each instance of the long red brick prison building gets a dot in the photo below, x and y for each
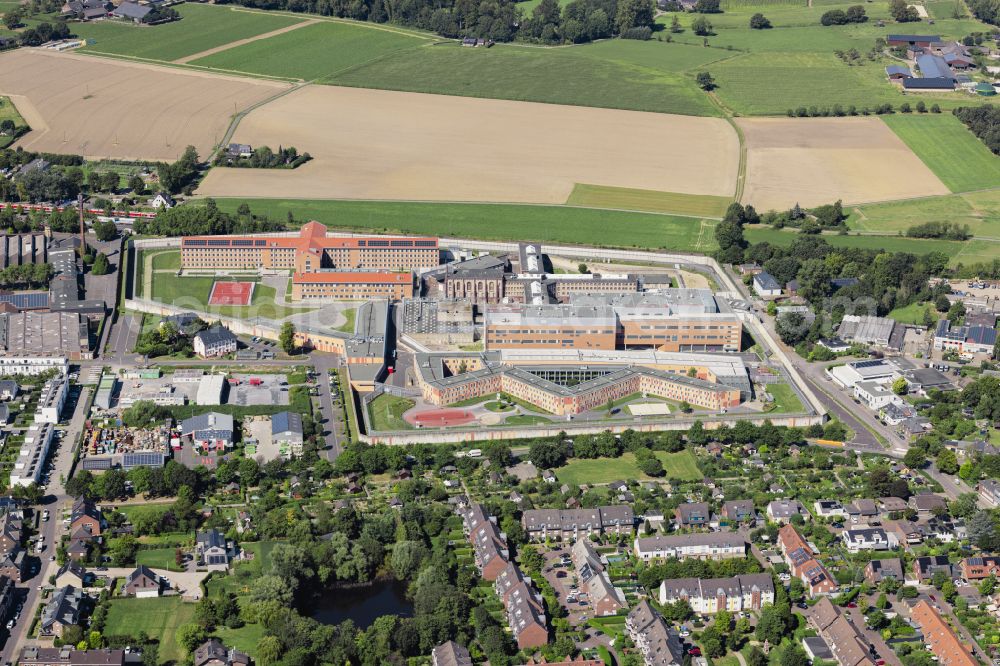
(322, 266)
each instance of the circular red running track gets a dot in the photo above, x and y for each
(441, 417)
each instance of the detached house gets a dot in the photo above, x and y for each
(213, 342)
(782, 511)
(692, 514)
(142, 583)
(62, 610)
(869, 538)
(212, 551)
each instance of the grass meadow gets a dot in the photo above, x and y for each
(9, 112)
(979, 210)
(681, 465)
(949, 149)
(202, 27)
(312, 52)
(599, 196)
(913, 313)
(158, 618)
(553, 224)
(614, 228)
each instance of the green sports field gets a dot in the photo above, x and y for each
(949, 149)
(598, 196)
(201, 27)
(314, 51)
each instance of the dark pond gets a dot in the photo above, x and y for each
(363, 604)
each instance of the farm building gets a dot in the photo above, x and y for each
(897, 72)
(132, 11)
(934, 67)
(986, 90)
(929, 84)
(922, 41)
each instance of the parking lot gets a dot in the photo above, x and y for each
(559, 571)
(258, 389)
(259, 428)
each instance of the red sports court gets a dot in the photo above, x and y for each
(231, 293)
(440, 418)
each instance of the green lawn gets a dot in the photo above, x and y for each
(201, 27)
(786, 401)
(312, 52)
(554, 224)
(158, 618)
(913, 313)
(348, 325)
(158, 558)
(681, 465)
(949, 149)
(193, 292)
(647, 76)
(526, 420)
(244, 639)
(600, 196)
(168, 260)
(387, 412)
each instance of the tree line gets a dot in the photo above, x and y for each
(984, 122)
(265, 158)
(499, 20)
(205, 220)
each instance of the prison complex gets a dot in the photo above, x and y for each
(311, 250)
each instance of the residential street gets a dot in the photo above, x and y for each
(55, 501)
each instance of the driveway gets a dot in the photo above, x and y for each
(187, 583)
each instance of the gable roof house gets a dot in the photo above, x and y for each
(711, 546)
(847, 642)
(142, 583)
(738, 511)
(85, 516)
(708, 596)
(692, 514)
(803, 563)
(868, 538)
(214, 653)
(877, 570)
(8, 389)
(781, 511)
(659, 644)
(926, 504)
(72, 573)
(940, 637)
(766, 286)
(62, 610)
(925, 567)
(214, 341)
(450, 653)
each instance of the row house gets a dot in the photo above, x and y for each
(847, 643)
(541, 524)
(657, 642)
(489, 544)
(942, 640)
(803, 564)
(711, 595)
(604, 597)
(711, 546)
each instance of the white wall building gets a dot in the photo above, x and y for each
(875, 395)
(34, 365)
(31, 458)
(711, 546)
(52, 400)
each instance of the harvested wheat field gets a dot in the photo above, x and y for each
(102, 108)
(376, 144)
(814, 161)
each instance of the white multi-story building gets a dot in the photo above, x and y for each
(34, 365)
(709, 546)
(52, 400)
(875, 395)
(31, 458)
(869, 538)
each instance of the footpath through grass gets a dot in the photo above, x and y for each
(311, 52)
(949, 149)
(201, 27)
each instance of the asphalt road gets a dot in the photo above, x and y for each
(55, 501)
(332, 416)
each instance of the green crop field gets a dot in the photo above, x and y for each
(599, 196)
(312, 52)
(158, 618)
(201, 27)
(979, 210)
(949, 149)
(648, 76)
(554, 224)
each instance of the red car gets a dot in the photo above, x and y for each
(932, 597)
(695, 652)
(880, 662)
(852, 605)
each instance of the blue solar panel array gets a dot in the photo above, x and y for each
(26, 301)
(143, 459)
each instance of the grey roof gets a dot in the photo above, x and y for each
(929, 83)
(283, 422)
(63, 607)
(211, 539)
(933, 67)
(664, 646)
(897, 69)
(569, 519)
(913, 38)
(766, 281)
(132, 10)
(709, 539)
(208, 422)
(451, 654)
(867, 329)
(887, 568)
(215, 335)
